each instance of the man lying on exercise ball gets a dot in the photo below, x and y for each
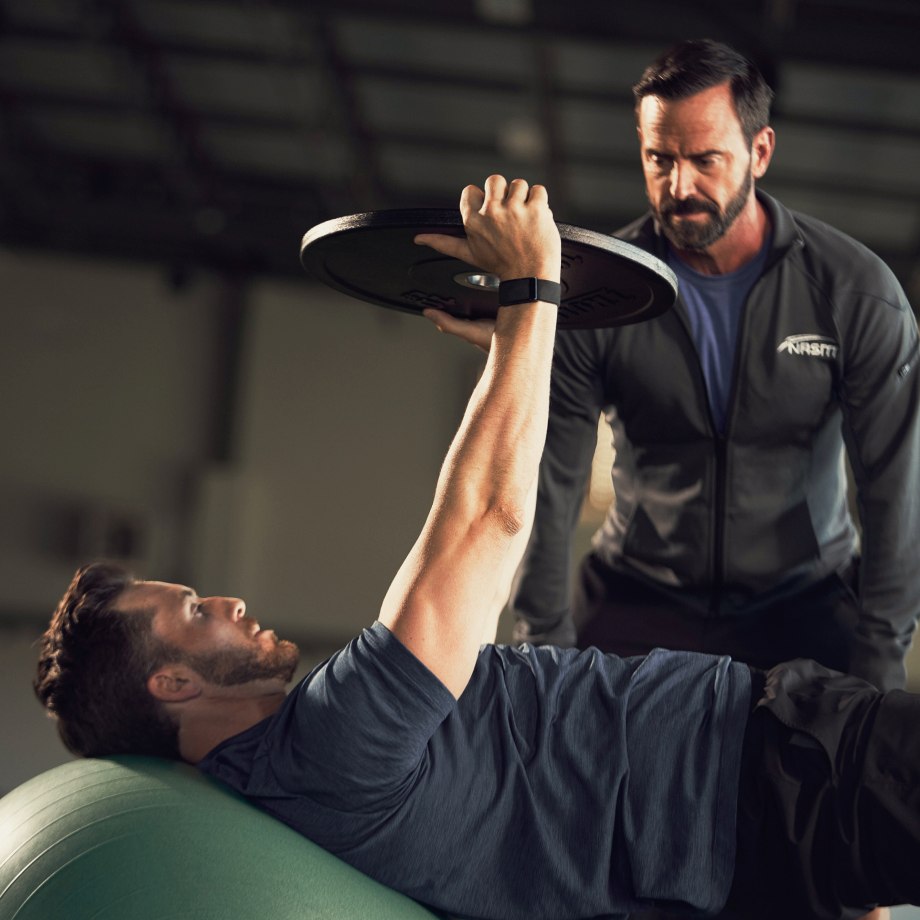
(497, 782)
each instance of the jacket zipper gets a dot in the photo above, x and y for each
(718, 539)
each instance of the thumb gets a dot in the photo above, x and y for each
(454, 246)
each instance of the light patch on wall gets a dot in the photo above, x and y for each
(506, 12)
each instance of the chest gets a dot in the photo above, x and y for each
(785, 359)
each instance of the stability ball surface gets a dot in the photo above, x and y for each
(137, 838)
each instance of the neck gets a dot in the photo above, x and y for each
(741, 244)
(210, 721)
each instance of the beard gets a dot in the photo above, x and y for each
(700, 235)
(230, 667)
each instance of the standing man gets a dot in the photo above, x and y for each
(790, 344)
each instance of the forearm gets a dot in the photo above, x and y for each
(493, 461)
(541, 598)
(450, 588)
(449, 592)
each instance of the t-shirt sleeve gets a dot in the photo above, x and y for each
(361, 723)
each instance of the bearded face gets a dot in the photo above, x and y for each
(228, 667)
(700, 167)
(695, 234)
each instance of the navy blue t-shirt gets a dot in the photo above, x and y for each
(715, 307)
(562, 784)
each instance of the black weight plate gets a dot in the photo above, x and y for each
(372, 256)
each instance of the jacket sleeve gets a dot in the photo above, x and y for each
(540, 599)
(880, 393)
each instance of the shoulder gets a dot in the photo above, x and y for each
(375, 668)
(366, 713)
(827, 242)
(833, 259)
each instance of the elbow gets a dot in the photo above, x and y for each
(508, 519)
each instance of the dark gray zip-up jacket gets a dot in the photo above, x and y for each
(827, 357)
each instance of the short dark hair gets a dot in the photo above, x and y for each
(93, 668)
(697, 64)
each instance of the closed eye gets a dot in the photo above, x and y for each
(705, 161)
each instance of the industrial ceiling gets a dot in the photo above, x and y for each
(213, 133)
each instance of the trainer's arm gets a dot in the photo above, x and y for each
(449, 590)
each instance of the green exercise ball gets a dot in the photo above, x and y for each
(137, 838)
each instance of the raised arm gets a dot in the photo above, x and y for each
(452, 586)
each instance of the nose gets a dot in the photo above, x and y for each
(682, 181)
(230, 607)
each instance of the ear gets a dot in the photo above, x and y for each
(762, 148)
(174, 683)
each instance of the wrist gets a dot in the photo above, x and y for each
(531, 289)
(551, 272)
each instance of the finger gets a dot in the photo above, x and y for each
(495, 188)
(471, 199)
(517, 190)
(438, 317)
(449, 323)
(476, 332)
(538, 194)
(455, 246)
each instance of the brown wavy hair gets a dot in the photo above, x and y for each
(93, 667)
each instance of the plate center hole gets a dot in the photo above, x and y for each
(478, 281)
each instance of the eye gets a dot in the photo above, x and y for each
(660, 161)
(198, 610)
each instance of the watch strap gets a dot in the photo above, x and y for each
(529, 290)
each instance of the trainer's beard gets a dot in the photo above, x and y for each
(699, 235)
